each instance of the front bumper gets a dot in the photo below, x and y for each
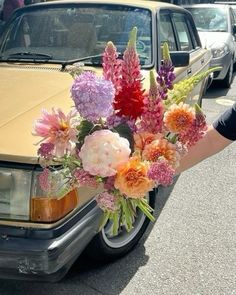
(224, 63)
(47, 254)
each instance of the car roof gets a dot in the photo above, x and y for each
(151, 4)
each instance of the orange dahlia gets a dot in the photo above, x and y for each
(179, 117)
(141, 139)
(159, 149)
(131, 178)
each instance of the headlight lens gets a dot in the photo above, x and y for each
(219, 50)
(21, 197)
(15, 188)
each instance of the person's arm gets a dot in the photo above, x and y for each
(212, 143)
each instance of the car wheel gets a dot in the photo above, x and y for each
(105, 247)
(229, 76)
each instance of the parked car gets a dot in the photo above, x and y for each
(231, 3)
(41, 238)
(216, 25)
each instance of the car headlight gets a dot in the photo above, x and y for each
(219, 50)
(21, 197)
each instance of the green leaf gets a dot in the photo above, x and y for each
(84, 128)
(124, 131)
(104, 219)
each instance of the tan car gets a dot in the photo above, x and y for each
(42, 237)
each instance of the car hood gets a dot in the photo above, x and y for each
(25, 91)
(209, 38)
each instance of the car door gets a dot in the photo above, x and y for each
(177, 28)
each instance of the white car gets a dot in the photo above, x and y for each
(216, 25)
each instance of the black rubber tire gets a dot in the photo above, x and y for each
(226, 83)
(100, 251)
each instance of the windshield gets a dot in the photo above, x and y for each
(210, 19)
(68, 33)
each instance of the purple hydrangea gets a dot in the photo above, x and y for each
(93, 96)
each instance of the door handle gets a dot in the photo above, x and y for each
(189, 71)
(202, 61)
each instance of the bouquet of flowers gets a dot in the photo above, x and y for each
(122, 136)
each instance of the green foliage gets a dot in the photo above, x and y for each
(124, 131)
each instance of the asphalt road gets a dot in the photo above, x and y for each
(190, 249)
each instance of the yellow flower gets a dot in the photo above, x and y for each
(161, 148)
(131, 178)
(179, 117)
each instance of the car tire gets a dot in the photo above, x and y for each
(226, 82)
(105, 248)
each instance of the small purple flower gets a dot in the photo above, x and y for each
(114, 121)
(44, 180)
(84, 178)
(109, 183)
(45, 149)
(93, 96)
(107, 202)
(165, 78)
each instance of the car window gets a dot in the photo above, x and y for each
(167, 32)
(232, 18)
(183, 32)
(67, 32)
(212, 19)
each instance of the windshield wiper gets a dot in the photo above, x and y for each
(95, 59)
(29, 55)
(73, 61)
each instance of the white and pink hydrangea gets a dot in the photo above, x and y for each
(103, 151)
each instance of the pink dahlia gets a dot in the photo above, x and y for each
(58, 129)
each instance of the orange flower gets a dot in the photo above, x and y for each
(161, 148)
(179, 117)
(141, 139)
(131, 178)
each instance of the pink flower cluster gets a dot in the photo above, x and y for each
(107, 201)
(161, 172)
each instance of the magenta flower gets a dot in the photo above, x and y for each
(93, 96)
(44, 180)
(131, 69)
(161, 172)
(109, 183)
(107, 202)
(153, 110)
(112, 66)
(46, 149)
(58, 129)
(196, 131)
(84, 178)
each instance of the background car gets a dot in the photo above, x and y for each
(39, 46)
(216, 25)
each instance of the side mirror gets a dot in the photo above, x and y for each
(180, 58)
(234, 29)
